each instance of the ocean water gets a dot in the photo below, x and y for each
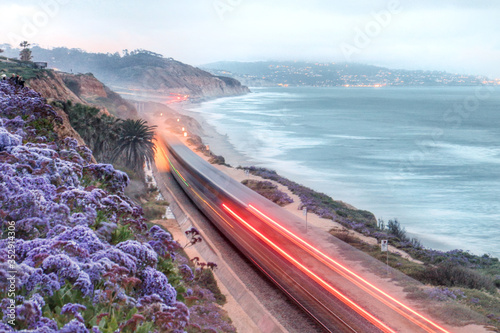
(429, 156)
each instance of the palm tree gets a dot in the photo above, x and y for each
(25, 54)
(135, 143)
(106, 136)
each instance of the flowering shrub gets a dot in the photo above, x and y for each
(269, 191)
(85, 260)
(444, 294)
(318, 203)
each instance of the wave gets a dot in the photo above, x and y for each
(481, 154)
(353, 137)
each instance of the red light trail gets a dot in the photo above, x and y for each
(376, 322)
(327, 258)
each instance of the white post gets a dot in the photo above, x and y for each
(384, 247)
(304, 211)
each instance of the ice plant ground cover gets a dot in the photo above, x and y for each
(77, 255)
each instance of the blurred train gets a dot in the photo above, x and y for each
(311, 274)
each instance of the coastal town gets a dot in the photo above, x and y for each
(339, 74)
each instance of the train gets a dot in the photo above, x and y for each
(317, 271)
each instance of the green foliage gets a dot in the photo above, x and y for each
(25, 54)
(153, 210)
(135, 143)
(452, 275)
(395, 261)
(269, 191)
(25, 69)
(205, 279)
(395, 229)
(101, 217)
(44, 127)
(112, 140)
(99, 131)
(109, 317)
(121, 234)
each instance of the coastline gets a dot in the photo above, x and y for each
(269, 131)
(220, 145)
(198, 129)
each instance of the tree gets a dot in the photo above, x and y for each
(99, 131)
(25, 54)
(135, 144)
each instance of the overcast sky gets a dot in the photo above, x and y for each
(461, 36)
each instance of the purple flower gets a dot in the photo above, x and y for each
(148, 300)
(48, 325)
(117, 256)
(144, 253)
(28, 313)
(8, 140)
(46, 284)
(186, 272)
(74, 310)
(5, 327)
(95, 270)
(62, 265)
(161, 241)
(74, 326)
(84, 236)
(84, 284)
(115, 180)
(155, 282)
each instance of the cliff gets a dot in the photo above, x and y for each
(169, 76)
(52, 87)
(83, 89)
(141, 73)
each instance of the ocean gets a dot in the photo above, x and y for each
(428, 156)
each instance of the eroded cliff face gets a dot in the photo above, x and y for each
(52, 87)
(144, 75)
(83, 89)
(178, 78)
(84, 85)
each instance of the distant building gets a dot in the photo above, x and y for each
(40, 65)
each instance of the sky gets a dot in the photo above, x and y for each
(458, 36)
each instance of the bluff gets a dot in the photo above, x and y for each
(83, 89)
(140, 73)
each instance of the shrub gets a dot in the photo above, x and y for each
(450, 275)
(269, 191)
(205, 279)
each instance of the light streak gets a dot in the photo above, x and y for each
(318, 252)
(210, 206)
(177, 172)
(376, 322)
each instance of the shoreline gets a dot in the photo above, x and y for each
(220, 145)
(180, 117)
(237, 152)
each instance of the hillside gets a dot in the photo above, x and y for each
(139, 72)
(297, 73)
(59, 86)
